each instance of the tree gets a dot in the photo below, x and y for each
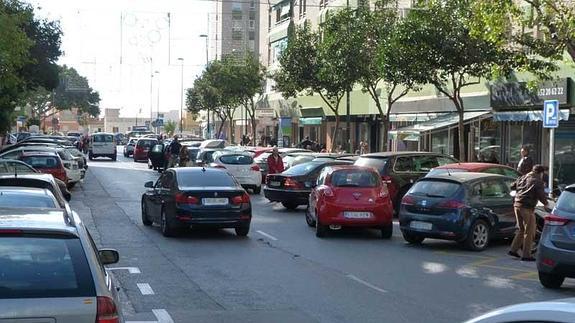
(74, 91)
(438, 41)
(252, 78)
(170, 127)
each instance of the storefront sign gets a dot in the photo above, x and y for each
(261, 113)
(517, 95)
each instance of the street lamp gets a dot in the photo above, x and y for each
(158, 103)
(207, 62)
(182, 97)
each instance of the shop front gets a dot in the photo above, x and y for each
(311, 124)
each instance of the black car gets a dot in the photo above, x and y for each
(470, 208)
(399, 170)
(195, 196)
(157, 157)
(293, 186)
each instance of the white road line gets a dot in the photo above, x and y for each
(145, 289)
(162, 316)
(131, 270)
(141, 321)
(267, 235)
(363, 282)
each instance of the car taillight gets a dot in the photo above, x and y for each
(186, 199)
(255, 168)
(553, 219)
(244, 198)
(106, 310)
(451, 204)
(407, 200)
(291, 183)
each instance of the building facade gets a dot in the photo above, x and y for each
(235, 28)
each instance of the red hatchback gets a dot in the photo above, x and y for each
(350, 196)
(45, 162)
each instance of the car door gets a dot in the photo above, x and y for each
(166, 193)
(315, 194)
(154, 201)
(495, 196)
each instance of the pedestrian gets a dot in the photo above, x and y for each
(184, 157)
(275, 162)
(306, 142)
(174, 149)
(526, 163)
(529, 189)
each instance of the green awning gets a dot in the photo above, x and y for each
(311, 121)
(307, 112)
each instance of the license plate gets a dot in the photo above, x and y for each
(273, 183)
(215, 201)
(357, 215)
(420, 225)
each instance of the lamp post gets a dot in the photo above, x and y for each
(158, 103)
(182, 97)
(207, 61)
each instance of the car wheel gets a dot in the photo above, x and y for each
(243, 230)
(320, 229)
(310, 222)
(412, 238)
(168, 228)
(114, 157)
(257, 190)
(478, 237)
(145, 220)
(550, 280)
(290, 205)
(150, 166)
(387, 231)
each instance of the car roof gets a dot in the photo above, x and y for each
(102, 133)
(570, 188)
(37, 219)
(39, 153)
(463, 177)
(401, 153)
(471, 166)
(351, 167)
(561, 310)
(197, 170)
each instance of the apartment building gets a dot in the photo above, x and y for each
(234, 28)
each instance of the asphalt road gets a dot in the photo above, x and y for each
(283, 273)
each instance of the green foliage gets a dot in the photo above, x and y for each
(84, 98)
(170, 127)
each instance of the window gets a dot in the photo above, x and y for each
(252, 15)
(323, 3)
(167, 181)
(353, 178)
(282, 12)
(491, 189)
(41, 162)
(15, 168)
(252, 4)
(205, 179)
(403, 164)
(103, 138)
(237, 35)
(377, 163)
(252, 24)
(302, 8)
(435, 187)
(322, 176)
(237, 15)
(277, 48)
(28, 199)
(252, 35)
(236, 159)
(301, 169)
(425, 163)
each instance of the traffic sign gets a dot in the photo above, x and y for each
(551, 114)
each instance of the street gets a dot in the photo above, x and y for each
(282, 273)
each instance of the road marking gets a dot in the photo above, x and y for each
(532, 276)
(131, 270)
(162, 316)
(145, 289)
(363, 282)
(267, 235)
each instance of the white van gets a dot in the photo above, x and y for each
(102, 144)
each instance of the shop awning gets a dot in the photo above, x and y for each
(413, 117)
(412, 133)
(308, 112)
(527, 115)
(311, 121)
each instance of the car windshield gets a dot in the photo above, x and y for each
(263, 157)
(15, 168)
(39, 267)
(441, 171)
(377, 163)
(25, 198)
(103, 138)
(354, 178)
(41, 162)
(236, 159)
(434, 188)
(566, 201)
(205, 179)
(301, 169)
(145, 143)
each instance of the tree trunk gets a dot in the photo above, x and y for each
(232, 129)
(334, 135)
(223, 119)
(253, 119)
(385, 140)
(461, 131)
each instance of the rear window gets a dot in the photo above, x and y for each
(205, 179)
(103, 138)
(434, 188)
(28, 199)
(236, 159)
(42, 267)
(566, 201)
(377, 163)
(301, 169)
(441, 171)
(146, 143)
(354, 178)
(41, 162)
(15, 168)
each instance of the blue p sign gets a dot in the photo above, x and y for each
(551, 114)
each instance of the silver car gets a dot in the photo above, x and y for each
(51, 271)
(557, 311)
(556, 257)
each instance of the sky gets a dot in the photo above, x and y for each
(119, 44)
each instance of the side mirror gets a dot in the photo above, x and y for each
(149, 184)
(108, 256)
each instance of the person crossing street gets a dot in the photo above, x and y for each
(174, 149)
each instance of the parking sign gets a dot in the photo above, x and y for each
(551, 114)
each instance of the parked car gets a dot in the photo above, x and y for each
(43, 181)
(18, 168)
(198, 197)
(292, 187)
(102, 145)
(399, 170)
(45, 162)
(475, 168)
(53, 270)
(213, 144)
(142, 148)
(242, 166)
(556, 256)
(129, 148)
(300, 158)
(557, 311)
(470, 208)
(156, 157)
(205, 156)
(262, 160)
(24, 197)
(349, 196)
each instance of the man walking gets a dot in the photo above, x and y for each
(174, 149)
(526, 163)
(529, 189)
